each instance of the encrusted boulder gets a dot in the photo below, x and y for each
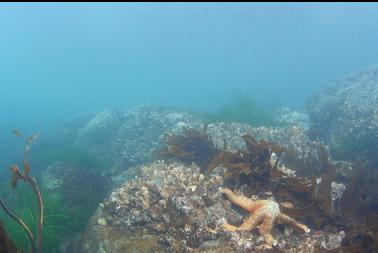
(170, 207)
(292, 137)
(289, 116)
(345, 114)
(127, 138)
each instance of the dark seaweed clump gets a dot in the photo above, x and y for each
(254, 161)
(306, 197)
(190, 146)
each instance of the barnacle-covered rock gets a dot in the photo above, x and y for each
(293, 138)
(127, 138)
(288, 116)
(177, 208)
(345, 114)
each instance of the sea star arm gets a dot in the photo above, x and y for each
(229, 227)
(251, 222)
(286, 219)
(248, 224)
(265, 229)
(241, 201)
(266, 212)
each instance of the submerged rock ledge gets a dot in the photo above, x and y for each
(170, 207)
(345, 115)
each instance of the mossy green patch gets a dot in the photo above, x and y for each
(241, 109)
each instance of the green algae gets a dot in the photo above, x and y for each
(241, 109)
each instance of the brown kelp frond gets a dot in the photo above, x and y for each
(298, 184)
(256, 167)
(16, 175)
(29, 141)
(262, 146)
(359, 209)
(323, 157)
(24, 176)
(317, 182)
(352, 194)
(361, 192)
(190, 146)
(21, 222)
(308, 161)
(323, 195)
(314, 192)
(255, 160)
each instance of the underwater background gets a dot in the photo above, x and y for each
(61, 59)
(66, 67)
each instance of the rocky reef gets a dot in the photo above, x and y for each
(345, 115)
(177, 205)
(127, 138)
(173, 207)
(170, 207)
(286, 115)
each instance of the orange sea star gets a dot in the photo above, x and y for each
(263, 212)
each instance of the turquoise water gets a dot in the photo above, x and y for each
(58, 60)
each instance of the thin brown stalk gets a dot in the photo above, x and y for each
(22, 224)
(31, 181)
